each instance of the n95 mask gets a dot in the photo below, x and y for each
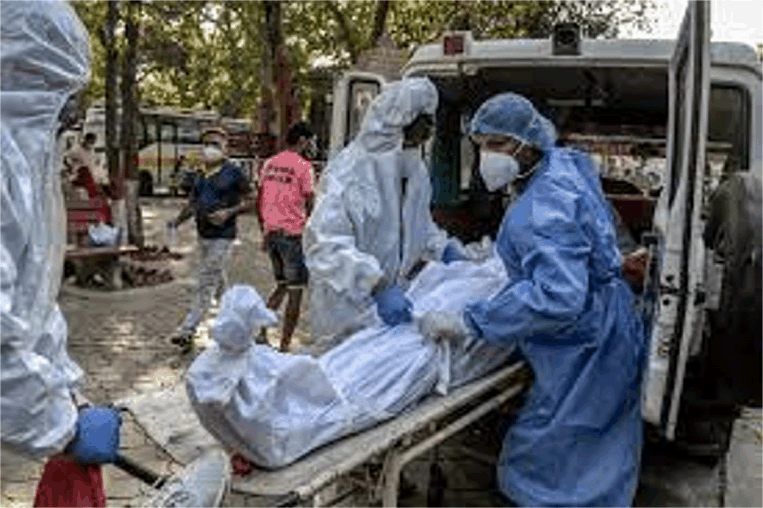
(497, 169)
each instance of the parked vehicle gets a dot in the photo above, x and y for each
(665, 119)
(167, 134)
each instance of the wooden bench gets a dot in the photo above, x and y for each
(80, 215)
(87, 260)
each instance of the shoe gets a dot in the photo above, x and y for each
(203, 482)
(182, 338)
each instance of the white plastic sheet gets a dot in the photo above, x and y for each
(275, 407)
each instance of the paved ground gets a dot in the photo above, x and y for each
(119, 339)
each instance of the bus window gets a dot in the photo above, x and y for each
(189, 131)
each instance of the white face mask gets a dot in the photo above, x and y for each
(212, 154)
(497, 169)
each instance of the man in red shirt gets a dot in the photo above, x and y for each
(284, 202)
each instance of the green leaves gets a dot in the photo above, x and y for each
(208, 54)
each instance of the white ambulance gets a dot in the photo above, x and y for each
(666, 119)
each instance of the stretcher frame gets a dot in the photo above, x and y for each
(364, 469)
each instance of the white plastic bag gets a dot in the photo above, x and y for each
(102, 235)
(275, 407)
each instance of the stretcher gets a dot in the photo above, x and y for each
(359, 470)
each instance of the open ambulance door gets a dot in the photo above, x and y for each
(677, 275)
(353, 93)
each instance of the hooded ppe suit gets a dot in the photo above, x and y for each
(577, 441)
(366, 231)
(45, 59)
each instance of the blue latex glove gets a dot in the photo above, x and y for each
(451, 254)
(393, 307)
(97, 436)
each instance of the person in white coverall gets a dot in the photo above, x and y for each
(45, 59)
(372, 224)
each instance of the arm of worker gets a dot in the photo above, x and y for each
(551, 293)
(36, 408)
(441, 246)
(38, 400)
(337, 266)
(39, 416)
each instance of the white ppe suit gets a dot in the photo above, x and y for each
(365, 233)
(45, 59)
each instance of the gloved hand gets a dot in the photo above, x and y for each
(451, 254)
(393, 306)
(439, 326)
(97, 436)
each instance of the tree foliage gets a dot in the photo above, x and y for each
(208, 54)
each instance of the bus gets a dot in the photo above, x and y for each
(164, 135)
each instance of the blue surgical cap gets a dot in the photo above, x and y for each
(509, 114)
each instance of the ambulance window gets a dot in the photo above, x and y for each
(728, 129)
(362, 93)
(679, 127)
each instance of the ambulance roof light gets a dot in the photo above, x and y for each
(456, 43)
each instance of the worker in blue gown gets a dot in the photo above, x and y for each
(577, 440)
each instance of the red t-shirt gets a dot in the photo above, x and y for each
(286, 181)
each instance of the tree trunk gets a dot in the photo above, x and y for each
(380, 20)
(344, 31)
(269, 121)
(116, 174)
(129, 115)
(111, 142)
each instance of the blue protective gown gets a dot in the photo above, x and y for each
(577, 441)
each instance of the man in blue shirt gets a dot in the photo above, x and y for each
(216, 199)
